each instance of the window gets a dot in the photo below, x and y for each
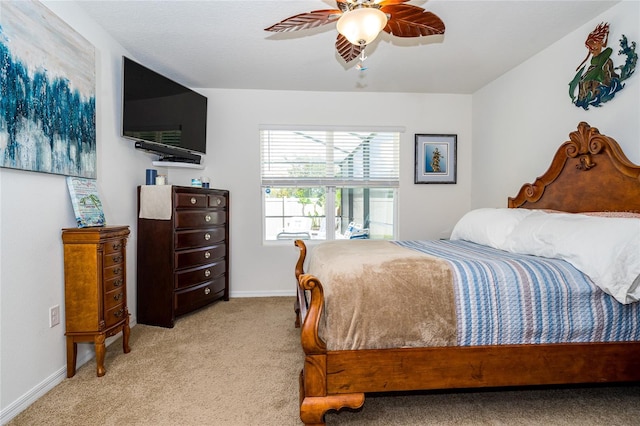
(329, 184)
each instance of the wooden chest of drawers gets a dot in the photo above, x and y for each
(183, 262)
(95, 289)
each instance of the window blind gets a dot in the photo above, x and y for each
(329, 158)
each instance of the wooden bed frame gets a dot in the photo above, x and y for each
(588, 173)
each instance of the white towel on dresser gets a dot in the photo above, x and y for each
(155, 202)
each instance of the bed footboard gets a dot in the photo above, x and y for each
(314, 399)
(337, 379)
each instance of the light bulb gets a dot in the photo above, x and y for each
(361, 26)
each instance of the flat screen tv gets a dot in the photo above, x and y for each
(163, 116)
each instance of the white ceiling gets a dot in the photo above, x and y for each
(222, 43)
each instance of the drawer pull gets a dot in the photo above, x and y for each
(117, 283)
(207, 255)
(207, 290)
(117, 246)
(117, 259)
(117, 297)
(117, 271)
(207, 273)
(207, 236)
(218, 201)
(119, 313)
(207, 218)
(193, 200)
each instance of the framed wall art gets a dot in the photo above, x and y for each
(435, 158)
(47, 107)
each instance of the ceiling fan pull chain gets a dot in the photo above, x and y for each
(362, 58)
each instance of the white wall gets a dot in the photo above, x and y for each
(520, 119)
(34, 206)
(233, 163)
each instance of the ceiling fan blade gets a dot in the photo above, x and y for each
(347, 50)
(305, 21)
(389, 2)
(411, 21)
(343, 5)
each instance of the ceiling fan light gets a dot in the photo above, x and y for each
(362, 26)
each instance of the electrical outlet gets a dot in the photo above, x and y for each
(54, 315)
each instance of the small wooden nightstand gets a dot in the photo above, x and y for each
(95, 290)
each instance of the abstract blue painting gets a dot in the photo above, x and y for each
(47, 93)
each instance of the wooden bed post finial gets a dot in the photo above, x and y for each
(584, 142)
(303, 254)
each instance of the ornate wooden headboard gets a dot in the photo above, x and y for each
(588, 173)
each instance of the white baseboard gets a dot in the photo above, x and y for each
(277, 293)
(21, 404)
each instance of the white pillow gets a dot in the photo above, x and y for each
(488, 226)
(605, 249)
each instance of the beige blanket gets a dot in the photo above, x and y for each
(379, 295)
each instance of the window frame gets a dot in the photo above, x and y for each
(328, 184)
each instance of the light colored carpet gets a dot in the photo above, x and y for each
(237, 363)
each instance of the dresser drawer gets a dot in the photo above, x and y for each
(111, 259)
(217, 201)
(199, 238)
(194, 276)
(190, 258)
(186, 301)
(114, 315)
(113, 246)
(113, 298)
(199, 218)
(115, 271)
(113, 283)
(185, 200)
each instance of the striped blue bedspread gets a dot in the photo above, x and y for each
(506, 298)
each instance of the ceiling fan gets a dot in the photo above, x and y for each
(360, 21)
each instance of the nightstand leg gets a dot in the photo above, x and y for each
(72, 351)
(100, 351)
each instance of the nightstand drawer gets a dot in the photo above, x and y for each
(112, 259)
(113, 246)
(113, 284)
(114, 271)
(113, 298)
(114, 315)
